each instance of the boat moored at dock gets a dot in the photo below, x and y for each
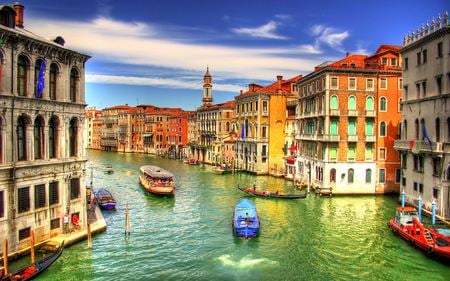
(156, 180)
(105, 199)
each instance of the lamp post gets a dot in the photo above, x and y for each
(308, 165)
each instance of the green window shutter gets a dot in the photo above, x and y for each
(334, 102)
(369, 103)
(352, 103)
(333, 129)
(351, 152)
(369, 128)
(333, 152)
(352, 128)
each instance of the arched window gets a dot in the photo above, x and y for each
(405, 130)
(369, 128)
(73, 137)
(438, 130)
(22, 75)
(416, 123)
(334, 128)
(352, 103)
(38, 138)
(52, 81)
(368, 176)
(52, 137)
(369, 103)
(37, 70)
(383, 104)
(73, 84)
(334, 102)
(422, 123)
(350, 175)
(352, 128)
(382, 129)
(21, 139)
(333, 175)
(227, 125)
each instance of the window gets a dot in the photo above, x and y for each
(424, 88)
(334, 83)
(439, 50)
(424, 56)
(436, 166)
(74, 188)
(405, 90)
(334, 102)
(384, 61)
(404, 161)
(418, 58)
(2, 204)
(55, 223)
(400, 83)
(53, 193)
(439, 85)
(264, 132)
(21, 139)
(264, 151)
(22, 76)
(382, 176)
(264, 108)
(73, 137)
(399, 107)
(352, 128)
(350, 175)
(393, 61)
(405, 63)
(417, 90)
(37, 68)
(73, 84)
(352, 83)
(38, 138)
(333, 175)
(24, 233)
(369, 103)
(39, 196)
(398, 174)
(420, 187)
(351, 152)
(369, 84)
(382, 129)
(383, 104)
(415, 186)
(333, 153)
(437, 129)
(369, 152)
(383, 83)
(435, 193)
(369, 128)
(23, 202)
(334, 128)
(52, 81)
(52, 137)
(352, 103)
(382, 153)
(368, 176)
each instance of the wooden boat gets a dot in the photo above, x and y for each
(192, 161)
(224, 169)
(108, 169)
(407, 225)
(245, 219)
(268, 194)
(157, 180)
(36, 268)
(105, 199)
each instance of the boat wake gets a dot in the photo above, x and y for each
(244, 262)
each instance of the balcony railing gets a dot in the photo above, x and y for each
(422, 146)
(370, 113)
(370, 138)
(335, 112)
(331, 138)
(353, 112)
(352, 138)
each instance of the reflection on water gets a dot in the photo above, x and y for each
(189, 236)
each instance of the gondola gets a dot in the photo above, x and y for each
(267, 194)
(34, 269)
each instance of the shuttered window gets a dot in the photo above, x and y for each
(53, 193)
(39, 196)
(23, 202)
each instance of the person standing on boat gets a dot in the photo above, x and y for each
(247, 218)
(254, 185)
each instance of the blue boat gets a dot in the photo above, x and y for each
(105, 199)
(245, 219)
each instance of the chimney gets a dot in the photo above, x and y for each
(279, 78)
(241, 92)
(19, 14)
(347, 54)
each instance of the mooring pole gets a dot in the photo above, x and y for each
(127, 221)
(89, 236)
(32, 246)
(5, 257)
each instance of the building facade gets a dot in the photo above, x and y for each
(348, 116)
(42, 159)
(424, 143)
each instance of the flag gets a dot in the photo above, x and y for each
(425, 133)
(40, 83)
(242, 131)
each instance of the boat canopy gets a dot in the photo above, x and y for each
(245, 206)
(156, 172)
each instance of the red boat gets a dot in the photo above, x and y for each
(407, 225)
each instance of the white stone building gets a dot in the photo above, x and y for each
(42, 159)
(424, 143)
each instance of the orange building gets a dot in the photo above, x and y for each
(348, 120)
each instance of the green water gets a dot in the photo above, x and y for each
(189, 237)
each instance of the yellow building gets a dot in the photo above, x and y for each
(260, 124)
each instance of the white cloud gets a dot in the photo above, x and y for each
(141, 44)
(329, 36)
(267, 30)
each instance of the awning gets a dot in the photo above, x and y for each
(290, 160)
(293, 148)
(147, 135)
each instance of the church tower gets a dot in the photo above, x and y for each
(207, 88)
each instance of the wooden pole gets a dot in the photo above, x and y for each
(32, 246)
(127, 221)
(5, 257)
(89, 236)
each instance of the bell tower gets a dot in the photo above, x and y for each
(207, 88)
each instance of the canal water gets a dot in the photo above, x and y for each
(189, 237)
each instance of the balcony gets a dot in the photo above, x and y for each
(353, 113)
(335, 112)
(352, 138)
(422, 146)
(370, 138)
(331, 138)
(308, 136)
(370, 113)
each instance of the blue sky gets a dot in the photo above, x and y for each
(156, 52)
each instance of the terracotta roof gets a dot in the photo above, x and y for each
(274, 87)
